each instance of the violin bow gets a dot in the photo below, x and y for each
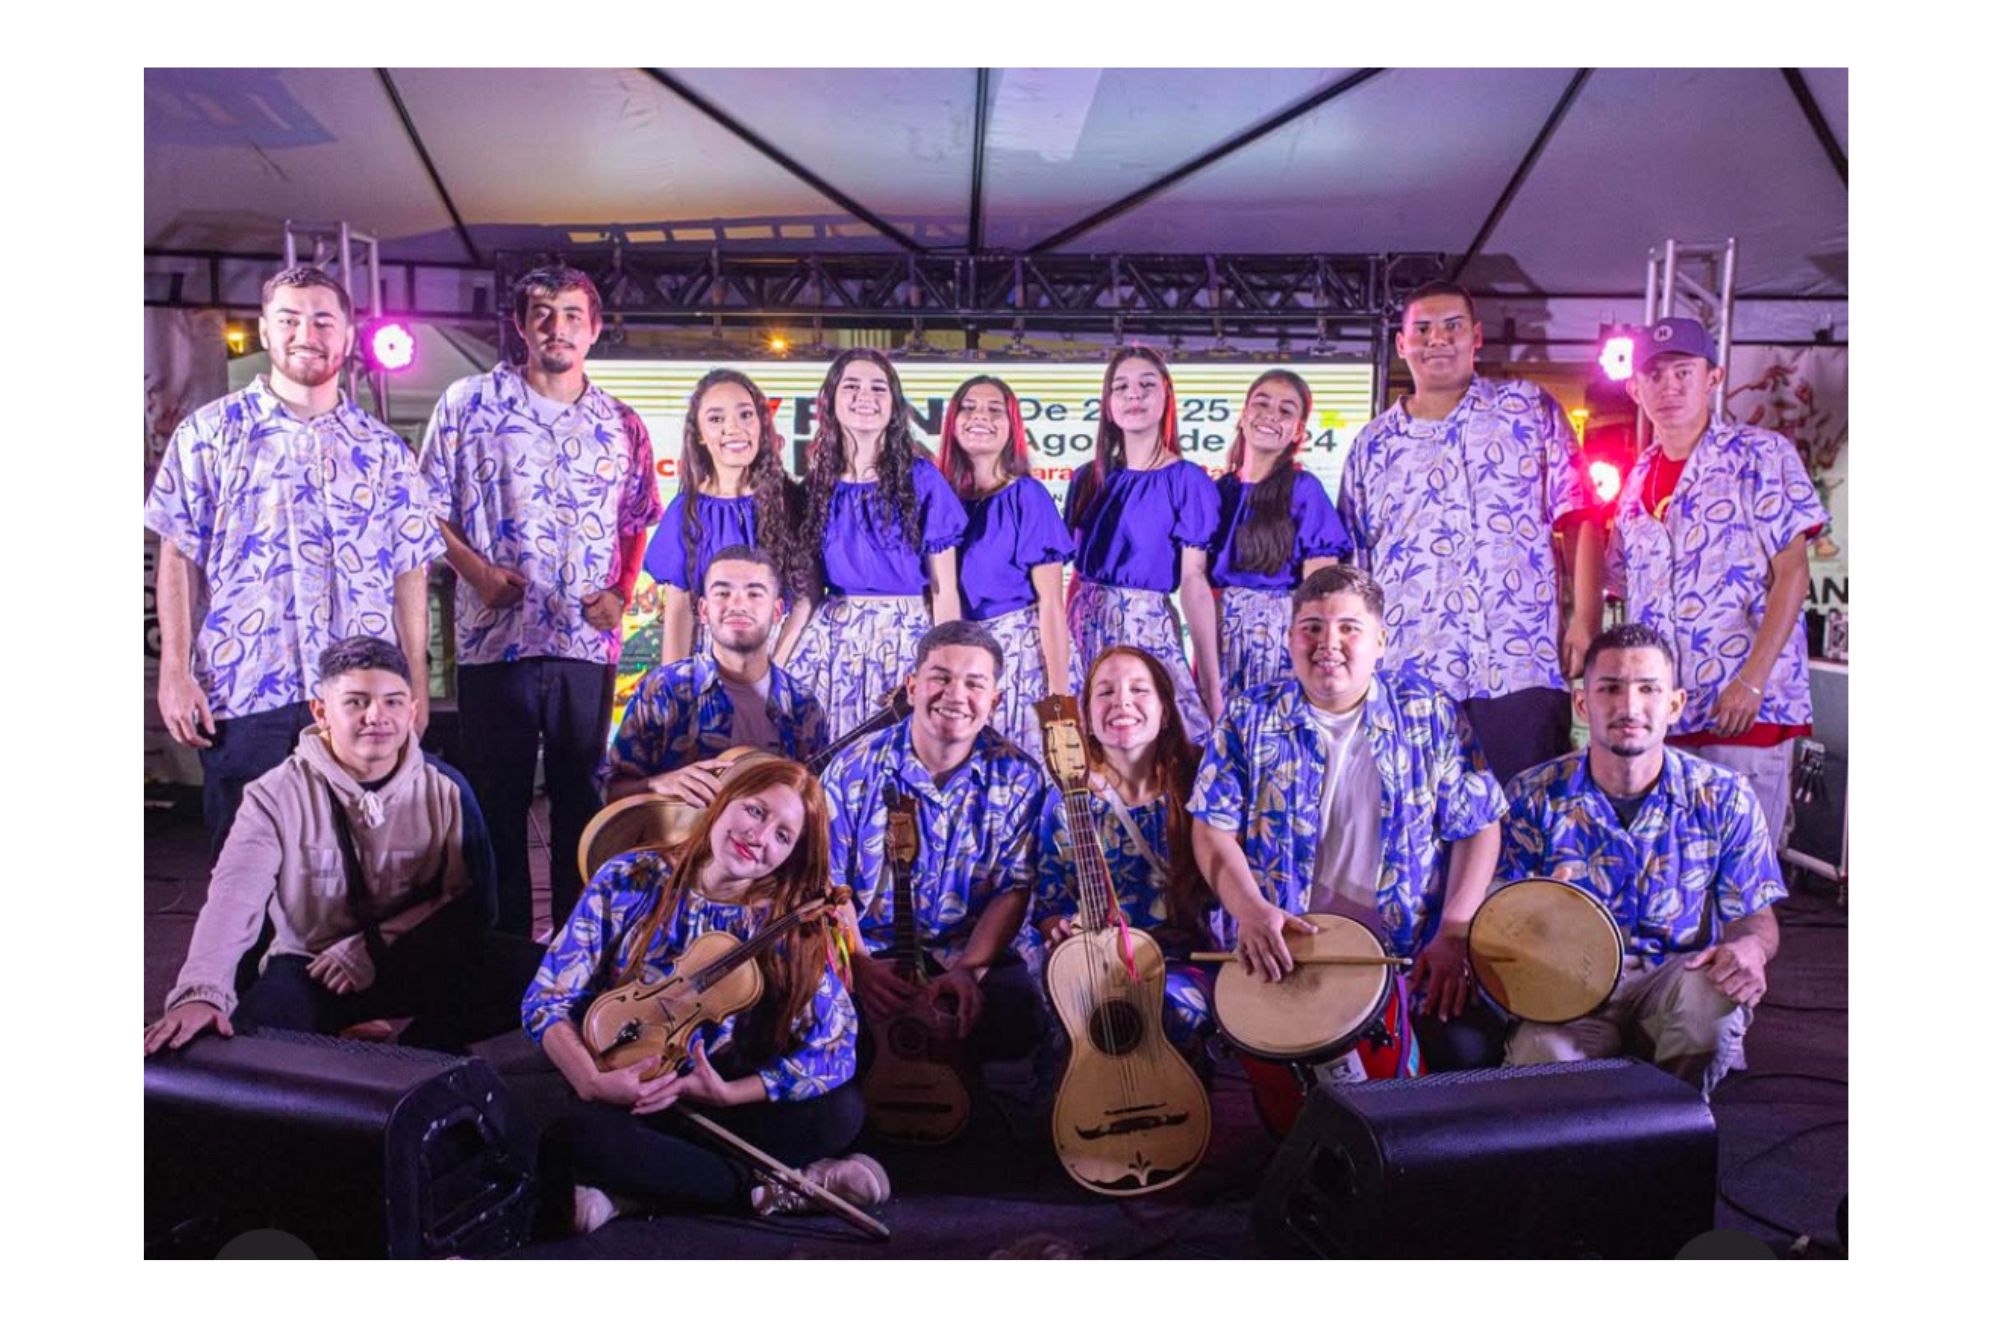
(863, 1221)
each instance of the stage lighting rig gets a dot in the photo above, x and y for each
(388, 345)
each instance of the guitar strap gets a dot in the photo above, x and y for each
(358, 897)
(1133, 832)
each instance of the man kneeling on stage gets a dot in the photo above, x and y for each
(369, 860)
(1675, 847)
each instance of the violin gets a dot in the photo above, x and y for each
(715, 977)
(656, 820)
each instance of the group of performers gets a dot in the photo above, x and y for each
(1374, 717)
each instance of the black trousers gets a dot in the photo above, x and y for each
(1474, 1039)
(669, 1161)
(1520, 729)
(458, 983)
(244, 749)
(507, 711)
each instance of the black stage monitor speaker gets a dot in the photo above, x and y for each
(358, 1149)
(1608, 1158)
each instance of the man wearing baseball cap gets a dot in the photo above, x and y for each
(1708, 549)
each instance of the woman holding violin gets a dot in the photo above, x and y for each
(1144, 766)
(778, 1074)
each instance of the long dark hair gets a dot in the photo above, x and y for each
(956, 468)
(777, 498)
(1176, 757)
(1110, 454)
(792, 968)
(894, 499)
(1265, 530)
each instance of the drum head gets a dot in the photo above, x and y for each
(642, 820)
(1316, 1010)
(1545, 951)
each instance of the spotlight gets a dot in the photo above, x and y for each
(1605, 479)
(388, 345)
(237, 337)
(778, 344)
(1616, 358)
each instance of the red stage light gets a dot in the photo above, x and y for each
(390, 346)
(1616, 358)
(1605, 478)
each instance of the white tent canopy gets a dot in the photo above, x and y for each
(1363, 161)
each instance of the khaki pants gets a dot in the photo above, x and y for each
(1663, 1011)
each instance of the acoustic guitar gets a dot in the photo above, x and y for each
(1131, 1116)
(914, 1091)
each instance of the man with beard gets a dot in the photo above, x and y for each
(689, 711)
(287, 519)
(977, 800)
(1675, 847)
(544, 488)
(1452, 496)
(1356, 790)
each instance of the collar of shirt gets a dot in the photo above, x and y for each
(509, 386)
(1672, 789)
(1402, 420)
(265, 403)
(978, 768)
(706, 678)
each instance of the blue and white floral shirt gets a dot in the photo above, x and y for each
(1454, 518)
(1263, 774)
(681, 712)
(1701, 574)
(548, 490)
(978, 836)
(298, 527)
(1697, 854)
(596, 944)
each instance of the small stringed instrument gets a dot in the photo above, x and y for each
(914, 1091)
(654, 820)
(715, 976)
(1131, 1117)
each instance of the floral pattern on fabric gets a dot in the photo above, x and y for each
(853, 653)
(1701, 575)
(596, 942)
(298, 527)
(978, 836)
(1252, 636)
(681, 713)
(1698, 847)
(1025, 682)
(1454, 517)
(1263, 775)
(550, 502)
(1101, 617)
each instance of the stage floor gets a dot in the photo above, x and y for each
(998, 1194)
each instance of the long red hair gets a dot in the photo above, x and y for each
(956, 468)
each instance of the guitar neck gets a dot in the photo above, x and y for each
(1097, 906)
(905, 922)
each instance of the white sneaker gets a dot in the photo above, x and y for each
(595, 1209)
(858, 1180)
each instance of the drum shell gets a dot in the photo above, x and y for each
(1253, 1017)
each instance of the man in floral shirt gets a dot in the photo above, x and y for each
(545, 488)
(1356, 790)
(288, 518)
(1452, 496)
(1708, 549)
(1678, 852)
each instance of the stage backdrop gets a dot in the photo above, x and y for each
(1061, 408)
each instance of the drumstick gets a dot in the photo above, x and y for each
(1228, 956)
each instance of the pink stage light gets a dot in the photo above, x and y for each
(391, 346)
(1606, 479)
(1616, 358)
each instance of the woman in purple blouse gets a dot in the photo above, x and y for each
(1144, 519)
(731, 490)
(1013, 557)
(883, 526)
(1275, 526)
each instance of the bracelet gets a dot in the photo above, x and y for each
(1752, 686)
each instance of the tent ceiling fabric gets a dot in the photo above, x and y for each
(1410, 159)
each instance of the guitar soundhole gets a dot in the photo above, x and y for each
(907, 1038)
(1115, 1027)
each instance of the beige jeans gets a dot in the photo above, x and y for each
(1663, 1011)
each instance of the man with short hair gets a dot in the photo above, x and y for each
(545, 488)
(1352, 789)
(1675, 848)
(1709, 551)
(368, 859)
(287, 518)
(687, 712)
(1453, 496)
(977, 801)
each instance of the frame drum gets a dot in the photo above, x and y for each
(642, 820)
(1317, 1010)
(1545, 951)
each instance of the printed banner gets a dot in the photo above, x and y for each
(1802, 394)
